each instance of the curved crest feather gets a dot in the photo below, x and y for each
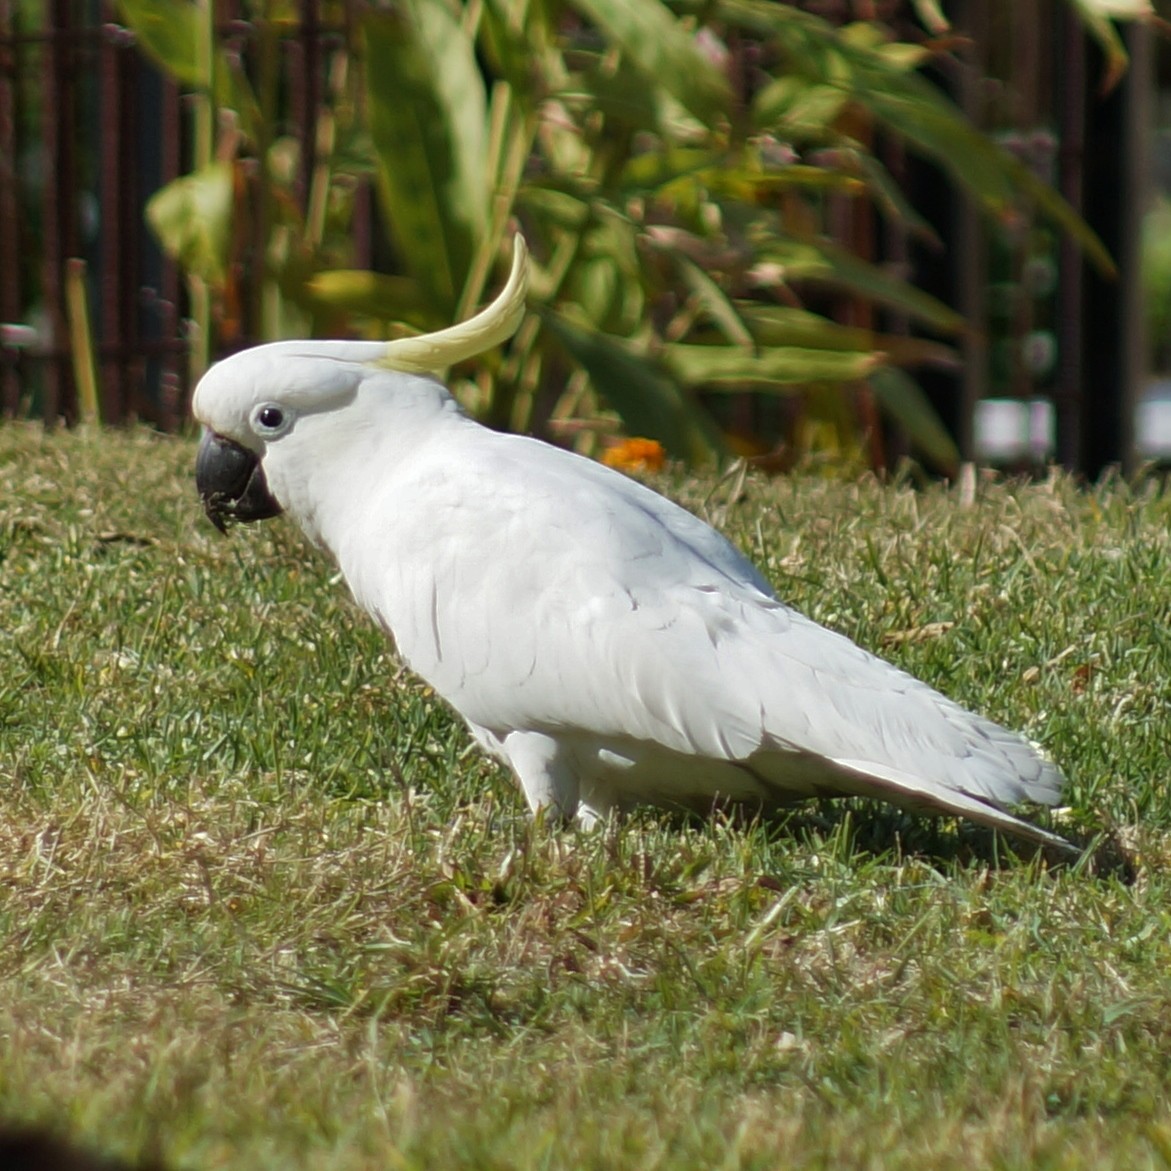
(494, 324)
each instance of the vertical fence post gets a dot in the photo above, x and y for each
(58, 136)
(1068, 394)
(118, 246)
(10, 217)
(174, 384)
(971, 249)
(1138, 128)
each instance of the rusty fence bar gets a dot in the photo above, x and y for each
(59, 197)
(89, 130)
(10, 216)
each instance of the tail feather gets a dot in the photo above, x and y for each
(911, 792)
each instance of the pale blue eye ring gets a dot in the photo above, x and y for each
(270, 420)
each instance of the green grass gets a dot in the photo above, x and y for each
(260, 906)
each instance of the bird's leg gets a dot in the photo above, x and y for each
(540, 763)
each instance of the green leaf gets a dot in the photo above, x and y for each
(427, 112)
(909, 105)
(928, 121)
(931, 15)
(890, 198)
(649, 36)
(192, 218)
(754, 185)
(1096, 17)
(605, 280)
(649, 401)
(903, 399)
(555, 208)
(781, 368)
(622, 96)
(791, 108)
(653, 169)
(795, 260)
(169, 32)
(783, 325)
(172, 34)
(1156, 270)
(370, 294)
(715, 302)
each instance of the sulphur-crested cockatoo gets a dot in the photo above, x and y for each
(608, 645)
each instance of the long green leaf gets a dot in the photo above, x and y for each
(974, 160)
(909, 105)
(655, 169)
(426, 107)
(1097, 18)
(623, 97)
(169, 32)
(651, 37)
(172, 33)
(780, 368)
(370, 294)
(903, 399)
(795, 110)
(795, 260)
(890, 198)
(783, 325)
(715, 302)
(717, 172)
(648, 400)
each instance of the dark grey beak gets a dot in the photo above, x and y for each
(231, 483)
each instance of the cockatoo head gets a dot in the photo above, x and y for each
(255, 401)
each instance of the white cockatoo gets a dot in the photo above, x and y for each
(609, 646)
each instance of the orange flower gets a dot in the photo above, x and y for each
(635, 455)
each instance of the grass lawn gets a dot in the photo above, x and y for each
(261, 906)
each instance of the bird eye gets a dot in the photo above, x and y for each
(269, 420)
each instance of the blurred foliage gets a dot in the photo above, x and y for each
(675, 168)
(1157, 280)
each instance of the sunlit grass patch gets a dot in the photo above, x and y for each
(261, 906)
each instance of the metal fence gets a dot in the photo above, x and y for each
(89, 129)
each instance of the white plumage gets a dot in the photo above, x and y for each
(607, 644)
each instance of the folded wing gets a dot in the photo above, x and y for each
(561, 598)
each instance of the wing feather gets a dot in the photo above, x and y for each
(538, 591)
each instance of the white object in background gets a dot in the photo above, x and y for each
(1152, 421)
(1012, 431)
